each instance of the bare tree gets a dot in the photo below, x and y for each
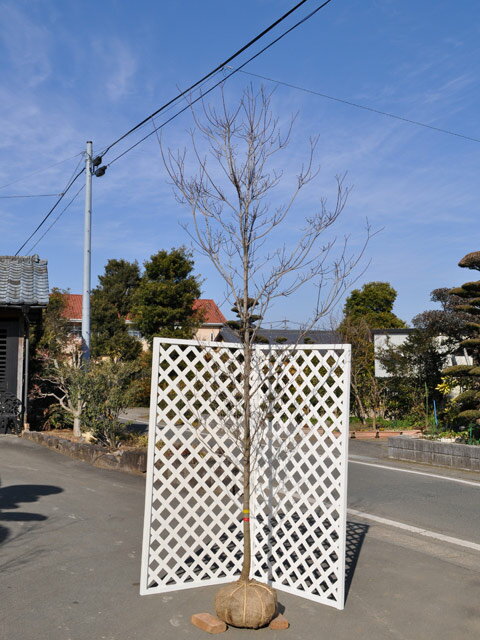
(59, 357)
(62, 377)
(231, 195)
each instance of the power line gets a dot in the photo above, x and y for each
(65, 191)
(56, 219)
(188, 91)
(173, 105)
(217, 68)
(364, 107)
(38, 195)
(70, 182)
(74, 172)
(224, 79)
(40, 170)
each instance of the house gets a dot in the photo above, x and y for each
(212, 318)
(384, 338)
(23, 295)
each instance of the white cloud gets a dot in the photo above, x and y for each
(118, 64)
(27, 45)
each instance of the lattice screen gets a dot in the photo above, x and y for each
(193, 527)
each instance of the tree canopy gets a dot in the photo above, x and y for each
(366, 309)
(448, 321)
(118, 283)
(163, 300)
(110, 304)
(373, 303)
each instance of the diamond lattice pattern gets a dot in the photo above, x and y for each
(193, 521)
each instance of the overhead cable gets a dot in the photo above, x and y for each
(362, 106)
(224, 79)
(56, 219)
(65, 191)
(37, 195)
(186, 92)
(217, 68)
(44, 168)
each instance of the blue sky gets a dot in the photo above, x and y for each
(78, 71)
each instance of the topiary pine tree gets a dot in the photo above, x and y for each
(468, 402)
(238, 325)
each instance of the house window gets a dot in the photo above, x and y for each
(76, 330)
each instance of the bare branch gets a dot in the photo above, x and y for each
(231, 196)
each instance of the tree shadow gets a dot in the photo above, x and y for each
(10, 499)
(356, 533)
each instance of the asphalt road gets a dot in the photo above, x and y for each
(444, 505)
(71, 541)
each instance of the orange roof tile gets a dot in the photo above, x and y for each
(211, 313)
(73, 307)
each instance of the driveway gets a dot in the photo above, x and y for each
(71, 544)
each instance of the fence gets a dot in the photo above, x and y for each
(193, 528)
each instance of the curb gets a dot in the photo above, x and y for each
(127, 461)
(442, 454)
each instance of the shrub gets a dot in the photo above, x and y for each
(105, 396)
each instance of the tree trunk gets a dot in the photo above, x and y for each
(247, 367)
(247, 560)
(76, 427)
(77, 432)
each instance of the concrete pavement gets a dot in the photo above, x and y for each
(70, 560)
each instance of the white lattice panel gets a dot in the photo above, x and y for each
(193, 519)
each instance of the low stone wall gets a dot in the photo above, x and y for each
(442, 454)
(366, 435)
(128, 460)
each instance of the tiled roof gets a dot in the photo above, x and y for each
(73, 306)
(211, 313)
(23, 281)
(294, 336)
(287, 336)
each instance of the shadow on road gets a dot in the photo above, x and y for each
(356, 533)
(10, 499)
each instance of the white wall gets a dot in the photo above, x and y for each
(384, 340)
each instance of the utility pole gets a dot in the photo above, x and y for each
(87, 253)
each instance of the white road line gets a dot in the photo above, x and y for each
(418, 473)
(421, 532)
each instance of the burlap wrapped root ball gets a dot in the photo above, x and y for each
(246, 603)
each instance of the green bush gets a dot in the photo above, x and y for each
(55, 417)
(105, 395)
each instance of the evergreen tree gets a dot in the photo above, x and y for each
(251, 328)
(373, 303)
(118, 284)
(110, 335)
(111, 302)
(468, 402)
(163, 301)
(414, 369)
(448, 322)
(366, 309)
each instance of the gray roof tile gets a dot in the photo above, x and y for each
(23, 281)
(287, 336)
